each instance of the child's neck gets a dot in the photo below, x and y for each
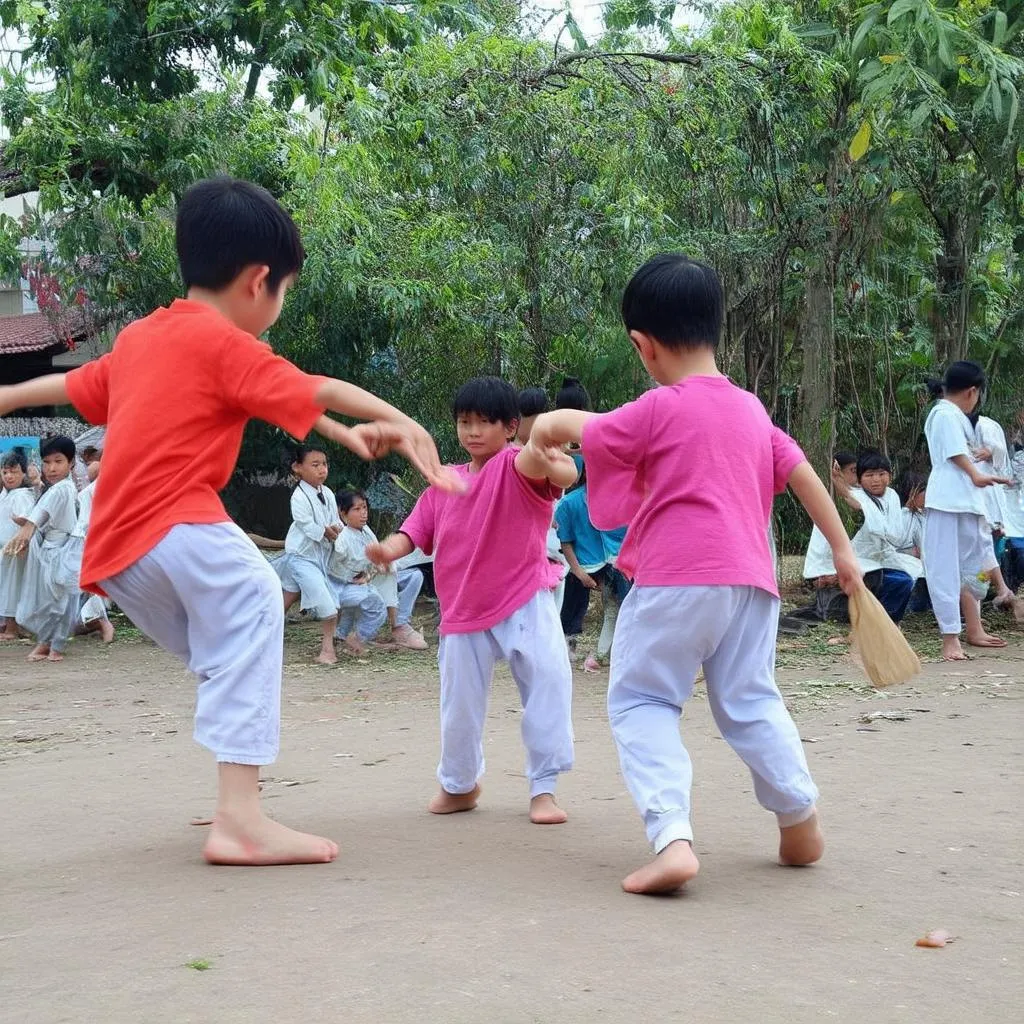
(477, 462)
(676, 365)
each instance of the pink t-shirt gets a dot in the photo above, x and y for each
(693, 469)
(491, 543)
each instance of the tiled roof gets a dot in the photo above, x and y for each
(33, 332)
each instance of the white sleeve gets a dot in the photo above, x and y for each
(43, 511)
(995, 439)
(303, 517)
(947, 437)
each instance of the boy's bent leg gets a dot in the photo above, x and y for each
(531, 641)
(373, 614)
(750, 711)
(654, 666)
(466, 661)
(894, 593)
(410, 583)
(203, 597)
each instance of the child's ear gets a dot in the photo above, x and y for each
(644, 345)
(254, 279)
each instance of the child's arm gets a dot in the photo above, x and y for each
(548, 464)
(575, 568)
(19, 542)
(818, 502)
(556, 429)
(978, 479)
(389, 430)
(48, 390)
(397, 546)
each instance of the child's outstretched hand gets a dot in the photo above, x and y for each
(383, 554)
(984, 480)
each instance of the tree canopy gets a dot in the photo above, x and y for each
(475, 185)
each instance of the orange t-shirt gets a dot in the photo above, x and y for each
(175, 394)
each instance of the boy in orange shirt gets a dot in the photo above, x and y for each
(175, 394)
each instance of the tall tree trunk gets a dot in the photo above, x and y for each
(817, 422)
(953, 308)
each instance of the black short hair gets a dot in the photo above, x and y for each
(909, 482)
(58, 445)
(675, 300)
(572, 395)
(533, 401)
(871, 459)
(490, 397)
(959, 377)
(346, 499)
(225, 225)
(844, 458)
(15, 457)
(297, 453)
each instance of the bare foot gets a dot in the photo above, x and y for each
(355, 646)
(55, 656)
(985, 640)
(262, 842)
(452, 803)
(951, 649)
(40, 652)
(106, 631)
(800, 845)
(327, 657)
(544, 810)
(668, 872)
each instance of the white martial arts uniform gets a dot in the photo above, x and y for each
(989, 434)
(664, 636)
(879, 543)
(43, 604)
(16, 502)
(82, 607)
(957, 541)
(304, 567)
(361, 605)
(207, 595)
(531, 641)
(818, 561)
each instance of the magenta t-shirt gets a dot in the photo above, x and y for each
(693, 469)
(491, 543)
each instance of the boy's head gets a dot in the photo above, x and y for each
(964, 384)
(13, 469)
(674, 302)
(309, 464)
(354, 508)
(572, 395)
(235, 240)
(874, 472)
(486, 413)
(532, 403)
(847, 463)
(58, 455)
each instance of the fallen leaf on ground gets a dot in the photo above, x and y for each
(201, 821)
(935, 940)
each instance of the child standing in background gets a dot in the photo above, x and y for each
(42, 604)
(495, 598)
(16, 501)
(308, 545)
(957, 543)
(697, 549)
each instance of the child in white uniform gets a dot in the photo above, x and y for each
(308, 545)
(362, 604)
(957, 543)
(16, 501)
(43, 605)
(992, 457)
(86, 612)
(495, 597)
(697, 548)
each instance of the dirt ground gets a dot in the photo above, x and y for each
(108, 914)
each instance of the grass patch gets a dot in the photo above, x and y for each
(199, 965)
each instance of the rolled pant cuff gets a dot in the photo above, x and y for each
(796, 817)
(538, 787)
(251, 759)
(674, 831)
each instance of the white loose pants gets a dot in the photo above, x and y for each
(206, 595)
(399, 590)
(663, 636)
(531, 641)
(957, 546)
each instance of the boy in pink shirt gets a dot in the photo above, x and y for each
(496, 598)
(697, 549)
